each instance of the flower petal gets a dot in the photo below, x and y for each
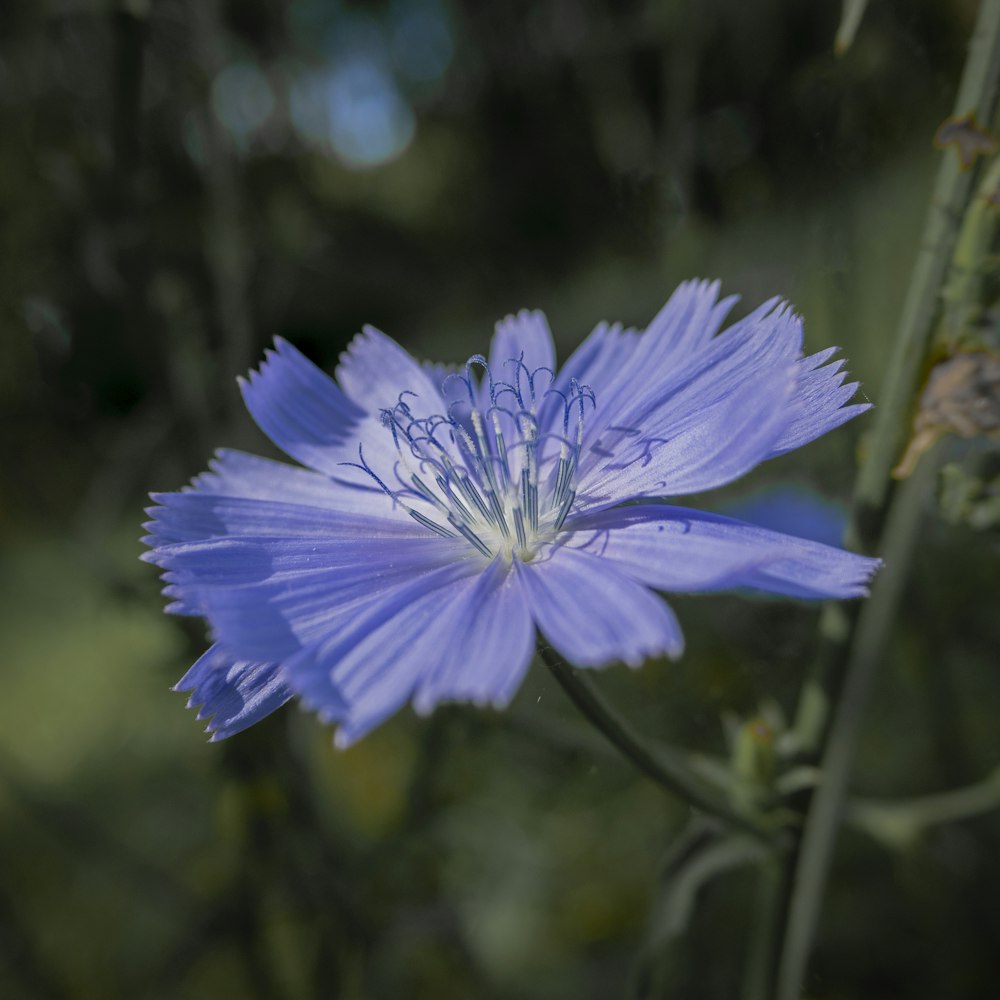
(443, 637)
(710, 418)
(606, 351)
(302, 410)
(238, 474)
(822, 395)
(592, 614)
(793, 510)
(267, 597)
(206, 543)
(680, 549)
(376, 373)
(311, 671)
(636, 415)
(194, 516)
(677, 338)
(490, 645)
(379, 374)
(690, 319)
(232, 693)
(616, 363)
(697, 441)
(527, 338)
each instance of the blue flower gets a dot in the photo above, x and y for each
(440, 519)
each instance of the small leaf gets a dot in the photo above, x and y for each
(798, 779)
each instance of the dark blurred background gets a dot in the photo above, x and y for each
(181, 180)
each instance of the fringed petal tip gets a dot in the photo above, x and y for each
(673, 650)
(868, 568)
(232, 694)
(300, 408)
(823, 396)
(425, 705)
(202, 712)
(280, 350)
(342, 741)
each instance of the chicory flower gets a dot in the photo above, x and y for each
(438, 520)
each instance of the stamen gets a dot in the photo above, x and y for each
(470, 492)
(519, 366)
(364, 467)
(525, 504)
(564, 509)
(529, 474)
(426, 492)
(480, 449)
(501, 448)
(472, 537)
(531, 382)
(522, 538)
(446, 488)
(495, 476)
(428, 523)
(497, 509)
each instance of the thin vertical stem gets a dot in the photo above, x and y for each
(833, 699)
(758, 975)
(812, 860)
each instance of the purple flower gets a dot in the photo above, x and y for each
(441, 518)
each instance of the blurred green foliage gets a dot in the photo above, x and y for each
(182, 179)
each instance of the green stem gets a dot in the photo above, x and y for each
(760, 962)
(671, 774)
(833, 698)
(812, 860)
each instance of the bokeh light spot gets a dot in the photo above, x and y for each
(356, 109)
(242, 99)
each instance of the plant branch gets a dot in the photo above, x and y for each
(671, 774)
(899, 823)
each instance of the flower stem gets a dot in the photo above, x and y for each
(763, 943)
(669, 772)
